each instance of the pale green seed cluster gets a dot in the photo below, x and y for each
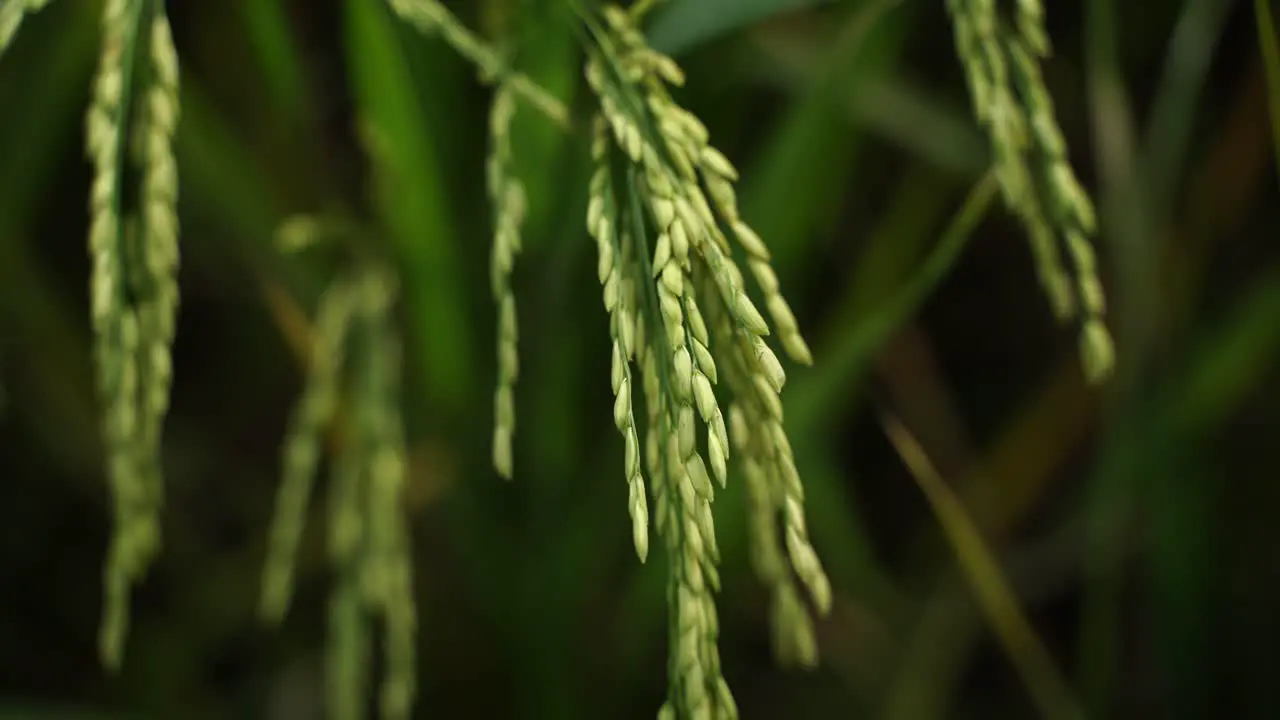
(11, 16)
(312, 415)
(774, 493)
(507, 195)
(664, 216)
(356, 356)
(134, 295)
(368, 536)
(1002, 64)
(615, 251)
(156, 289)
(431, 17)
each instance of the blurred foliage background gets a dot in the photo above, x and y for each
(1136, 524)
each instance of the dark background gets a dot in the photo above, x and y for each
(1136, 523)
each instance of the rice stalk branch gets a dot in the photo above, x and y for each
(429, 17)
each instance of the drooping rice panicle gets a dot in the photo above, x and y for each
(134, 252)
(303, 445)
(355, 357)
(664, 216)
(507, 196)
(1002, 66)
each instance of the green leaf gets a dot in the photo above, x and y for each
(1226, 364)
(1229, 362)
(46, 81)
(685, 24)
(1271, 61)
(992, 590)
(413, 202)
(815, 147)
(220, 173)
(267, 28)
(1173, 114)
(844, 362)
(548, 54)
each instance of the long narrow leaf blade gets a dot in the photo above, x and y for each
(412, 201)
(1271, 62)
(689, 23)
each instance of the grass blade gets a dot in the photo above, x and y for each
(35, 320)
(1123, 212)
(1173, 113)
(1271, 61)
(1228, 364)
(685, 24)
(814, 393)
(268, 31)
(412, 202)
(815, 146)
(1030, 657)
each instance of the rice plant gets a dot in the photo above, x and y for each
(695, 372)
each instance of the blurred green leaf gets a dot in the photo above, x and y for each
(1174, 111)
(1123, 212)
(413, 202)
(555, 175)
(939, 132)
(269, 33)
(548, 53)
(1228, 361)
(228, 192)
(42, 87)
(221, 175)
(836, 379)
(815, 147)
(33, 313)
(685, 24)
(1025, 649)
(879, 101)
(1271, 62)
(287, 95)
(841, 365)
(1233, 357)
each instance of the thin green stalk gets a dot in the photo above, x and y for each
(1124, 212)
(1271, 63)
(812, 396)
(1174, 110)
(430, 17)
(1030, 657)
